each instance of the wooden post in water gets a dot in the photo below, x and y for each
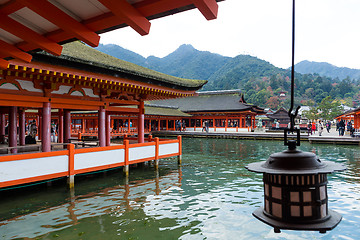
(71, 174)
(180, 150)
(126, 160)
(156, 153)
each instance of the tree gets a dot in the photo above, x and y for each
(329, 108)
(273, 102)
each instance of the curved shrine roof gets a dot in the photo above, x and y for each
(91, 59)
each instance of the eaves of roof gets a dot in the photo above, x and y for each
(80, 56)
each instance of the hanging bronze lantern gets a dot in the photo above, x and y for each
(295, 191)
(295, 182)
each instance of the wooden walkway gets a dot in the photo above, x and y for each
(328, 138)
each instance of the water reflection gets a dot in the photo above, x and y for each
(212, 196)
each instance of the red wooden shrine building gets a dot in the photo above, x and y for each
(44, 80)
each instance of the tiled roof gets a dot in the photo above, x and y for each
(210, 103)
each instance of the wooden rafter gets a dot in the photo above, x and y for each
(12, 51)
(63, 21)
(19, 30)
(208, 8)
(126, 12)
(3, 64)
(11, 7)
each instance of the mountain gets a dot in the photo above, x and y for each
(239, 70)
(327, 70)
(187, 62)
(122, 53)
(260, 81)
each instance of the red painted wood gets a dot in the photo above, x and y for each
(13, 128)
(63, 20)
(46, 127)
(101, 131)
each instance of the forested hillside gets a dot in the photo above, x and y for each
(327, 70)
(261, 82)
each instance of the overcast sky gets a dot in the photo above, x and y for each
(326, 31)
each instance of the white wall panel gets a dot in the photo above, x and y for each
(170, 148)
(141, 152)
(95, 159)
(14, 170)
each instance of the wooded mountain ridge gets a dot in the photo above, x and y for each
(261, 81)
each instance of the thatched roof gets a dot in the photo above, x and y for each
(77, 52)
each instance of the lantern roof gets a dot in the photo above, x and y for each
(294, 162)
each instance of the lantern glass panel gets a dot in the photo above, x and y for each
(307, 196)
(277, 210)
(294, 197)
(295, 211)
(322, 192)
(276, 192)
(307, 211)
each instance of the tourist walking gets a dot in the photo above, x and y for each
(183, 125)
(341, 127)
(328, 126)
(53, 132)
(309, 128)
(320, 127)
(203, 126)
(313, 128)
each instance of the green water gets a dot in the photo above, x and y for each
(211, 196)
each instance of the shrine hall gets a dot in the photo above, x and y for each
(47, 67)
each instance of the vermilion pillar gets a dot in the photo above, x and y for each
(2, 128)
(101, 127)
(61, 126)
(46, 127)
(141, 123)
(67, 126)
(108, 129)
(22, 127)
(13, 128)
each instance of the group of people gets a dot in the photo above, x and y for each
(32, 131)
(205, 126)
(313, 127)
(180, 125)
(341, 125)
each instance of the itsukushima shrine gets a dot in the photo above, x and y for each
(74, 81)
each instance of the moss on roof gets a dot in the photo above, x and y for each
(77, 51)
(165, 111)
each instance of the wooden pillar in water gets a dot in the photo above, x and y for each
(108, 129)
(67, 126)
(2, 127)
(101, 127)
(46, 127)
(140, 126)
(13, 128)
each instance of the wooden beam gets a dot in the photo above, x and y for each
(122, 109)
(10, 25)
(77, 102)
(62, 20)
(122, 102)
(209, 8)
(11, 7)
(124, 10)
(12, 51)
(3, 64)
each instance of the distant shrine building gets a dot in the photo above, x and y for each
(224, 110)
